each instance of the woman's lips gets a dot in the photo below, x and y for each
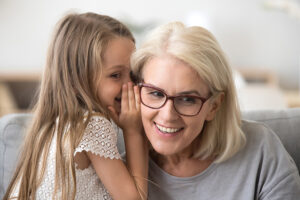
(167, 131)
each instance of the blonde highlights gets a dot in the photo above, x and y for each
(68, 90)
(222, 137)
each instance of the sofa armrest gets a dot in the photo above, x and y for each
(12, 128)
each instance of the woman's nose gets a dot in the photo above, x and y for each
(168, 111)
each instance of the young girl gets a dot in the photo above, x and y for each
(70, 149)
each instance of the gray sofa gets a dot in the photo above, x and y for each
(285, 123)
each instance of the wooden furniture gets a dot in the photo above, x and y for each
(260, 90)
(293, 98)
(17, 90)
(259, 76)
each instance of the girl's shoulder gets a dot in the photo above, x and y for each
(100, 123)
(98, 117)
(100, 137)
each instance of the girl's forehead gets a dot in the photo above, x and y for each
(118, 52)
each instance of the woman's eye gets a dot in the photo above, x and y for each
(156, 94)
(186, 100)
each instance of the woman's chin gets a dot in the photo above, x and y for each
(164, 149)
(162, 143)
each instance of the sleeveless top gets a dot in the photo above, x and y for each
(100, 138)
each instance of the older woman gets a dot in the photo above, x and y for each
(201, 148)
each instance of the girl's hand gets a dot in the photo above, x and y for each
(130, 117)
(137, 151)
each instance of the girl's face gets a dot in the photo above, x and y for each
(116, 72)
(169, 132)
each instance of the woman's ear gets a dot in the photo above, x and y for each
(214, 106)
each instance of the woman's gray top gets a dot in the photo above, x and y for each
(262, 170)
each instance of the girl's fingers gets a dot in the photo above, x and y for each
(137, 97)
(124, 101)
(131, 99)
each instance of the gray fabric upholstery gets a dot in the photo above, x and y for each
(285, 123)
(12, 129)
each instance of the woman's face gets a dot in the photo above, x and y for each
(169, 132)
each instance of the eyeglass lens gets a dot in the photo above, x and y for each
(184, 105)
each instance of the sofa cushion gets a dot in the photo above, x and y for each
(285, 123)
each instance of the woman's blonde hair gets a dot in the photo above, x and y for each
(68, 90)
(222, 137)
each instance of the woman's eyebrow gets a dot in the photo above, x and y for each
(189, 92)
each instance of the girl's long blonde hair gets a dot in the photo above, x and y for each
(68, 90)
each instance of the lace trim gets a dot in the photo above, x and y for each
(100, 138)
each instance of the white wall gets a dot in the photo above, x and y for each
(251, 35)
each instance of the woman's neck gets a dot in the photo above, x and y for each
(181, 165)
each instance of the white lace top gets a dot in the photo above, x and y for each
(100, 138)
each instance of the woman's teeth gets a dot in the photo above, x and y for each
(167, 130)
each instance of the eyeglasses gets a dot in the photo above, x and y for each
(155, 98)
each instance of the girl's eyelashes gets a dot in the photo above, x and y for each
(115, 75)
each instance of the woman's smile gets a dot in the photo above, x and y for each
(167, 131)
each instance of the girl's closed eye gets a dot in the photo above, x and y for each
(115, 75)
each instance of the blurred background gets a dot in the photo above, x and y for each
(261, 39)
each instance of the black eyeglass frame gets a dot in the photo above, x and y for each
(171, 98)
